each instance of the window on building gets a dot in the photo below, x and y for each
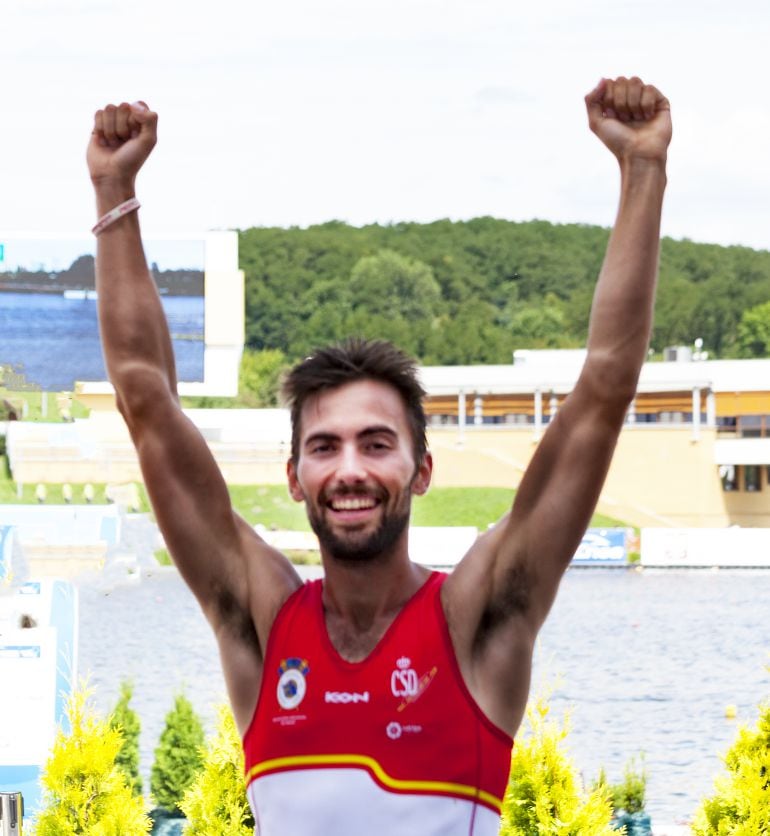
(517, 418)
(750, 426)
(442, 420)
(751, 478)
(674, 417)
(728, 473)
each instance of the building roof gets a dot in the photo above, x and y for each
(554, 371)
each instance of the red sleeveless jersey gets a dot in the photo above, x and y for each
(394, 744)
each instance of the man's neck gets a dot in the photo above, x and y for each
(361, 601)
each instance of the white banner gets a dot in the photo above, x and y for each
(27, 695)
(706, 547)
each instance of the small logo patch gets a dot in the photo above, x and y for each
(292, 682)
(403, 680)
(406, 684)
(394, 730)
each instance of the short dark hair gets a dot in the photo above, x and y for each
(349, 361)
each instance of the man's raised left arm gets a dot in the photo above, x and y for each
(499, 596)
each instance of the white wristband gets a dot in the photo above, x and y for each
(115, 214)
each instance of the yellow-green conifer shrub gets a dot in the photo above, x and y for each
(85, 792)
(216, 802)
(740, 805)
(629, 794)
(178, 755)
(545, 793)
(126, 720)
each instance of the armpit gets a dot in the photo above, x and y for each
(512, 597)
(234, 618)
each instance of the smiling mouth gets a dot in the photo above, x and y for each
(352, 503)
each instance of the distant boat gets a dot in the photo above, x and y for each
(79, 294)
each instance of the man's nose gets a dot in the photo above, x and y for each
(351, 465)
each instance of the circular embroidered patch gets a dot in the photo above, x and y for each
(291, 688)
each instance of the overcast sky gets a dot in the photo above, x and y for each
(301, 111)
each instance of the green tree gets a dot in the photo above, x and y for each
(390, 284)
(393, 297)
(542, 326)
(472, 336)
(126, 721)
(675, 305)
(754, 332)
(545, 793)
(740, 805)
(629, 794)
(259, 377)
(308, 287)
(178, 757)
(85, 791)
(216, 801)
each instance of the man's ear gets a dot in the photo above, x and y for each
(421, 481)
(295, 491)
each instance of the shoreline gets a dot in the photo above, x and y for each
(59, 289)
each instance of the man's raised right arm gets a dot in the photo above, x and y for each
(239, 581)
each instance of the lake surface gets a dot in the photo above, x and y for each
(644, 661)
(55, 341)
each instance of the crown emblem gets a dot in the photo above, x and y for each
(404, 663)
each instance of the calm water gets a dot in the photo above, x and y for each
(646, 662)
(55, 341)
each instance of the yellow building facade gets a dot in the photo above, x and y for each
(694, 451)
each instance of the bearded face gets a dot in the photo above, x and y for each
(364, 544)
(356, 471)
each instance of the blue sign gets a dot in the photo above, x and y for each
(601, 547)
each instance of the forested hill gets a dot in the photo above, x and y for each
(473, 291)
(80, 275)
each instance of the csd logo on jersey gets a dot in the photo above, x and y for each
(404, 681)
(406, 684)
(292, 682)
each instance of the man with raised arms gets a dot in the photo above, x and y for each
(385, 697)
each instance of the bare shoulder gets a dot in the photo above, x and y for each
(244, 615)
(271, 578)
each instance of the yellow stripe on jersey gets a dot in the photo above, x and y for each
(283, 764)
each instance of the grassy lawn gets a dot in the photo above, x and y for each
(54, 495)
(54, 492)
(481, 507)
(271, 505)
(43, 406)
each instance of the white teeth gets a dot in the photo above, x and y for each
(352, 503)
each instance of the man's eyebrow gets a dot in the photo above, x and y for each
(378, 430)
(320, 436)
